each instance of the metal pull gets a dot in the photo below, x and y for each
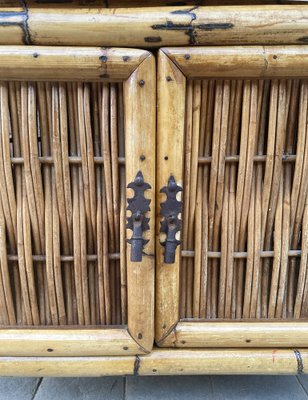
(138, 222)
(171, 224)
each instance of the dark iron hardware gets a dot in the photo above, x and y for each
(171, 224)
(138, 222)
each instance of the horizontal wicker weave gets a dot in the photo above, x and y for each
(245, 200)
(62, 204)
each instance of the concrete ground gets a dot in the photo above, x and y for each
(150, 388)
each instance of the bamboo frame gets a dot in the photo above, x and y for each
(175, 65)
(97, 64)
(164, 362)
(72, 24)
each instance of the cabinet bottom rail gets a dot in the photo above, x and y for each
(164, 362)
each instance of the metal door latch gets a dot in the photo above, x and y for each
(138, 222)
(171, 224)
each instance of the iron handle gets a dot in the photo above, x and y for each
(138, 222)
(171, 224)
(136, 239)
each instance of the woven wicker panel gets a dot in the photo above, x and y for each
(245, 220)
(62, 204)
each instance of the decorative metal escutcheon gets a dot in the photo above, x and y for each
(138, 222)
(171, 224)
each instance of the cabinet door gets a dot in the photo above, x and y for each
(232, 183)
(77, 164)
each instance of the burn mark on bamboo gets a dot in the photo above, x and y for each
(21, 20)
(126, 58)
(190, 28)
(53, 1)
(177, 4)
(299, 360)
(137, 366)
(212, 27)
(25, 25)
(152, 39)
(303, 39)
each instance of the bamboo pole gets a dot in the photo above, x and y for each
(69, 63)
(240, 61)
(148, 27)
(238, 334)
(271, 361)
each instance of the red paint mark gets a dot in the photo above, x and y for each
(273, 355)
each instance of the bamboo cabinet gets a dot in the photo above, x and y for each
(153, 203)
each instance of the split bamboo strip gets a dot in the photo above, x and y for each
(139, 93)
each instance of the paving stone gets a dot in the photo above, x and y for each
(168, 387)
(257, 387)
(303, 380)
(18, 388)
(109, 388)
(215, 388)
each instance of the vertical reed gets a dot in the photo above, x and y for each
(245, 200)
(62, 204)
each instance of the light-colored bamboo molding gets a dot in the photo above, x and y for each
(223, 361)
(171, 85)
(238, 334)
(153, 26)
(234, 159)
(140, 143)
(164, 362)
(240, 254)
(42, 258)
(67, 342)
(68, 64)
(71, 160)
(67, 366)
(241, 61)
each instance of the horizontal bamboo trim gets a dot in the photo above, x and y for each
(68, 64)
(240, 254)
(224, 361)
(238, 334)
(164, 362)
(67, 342)
(241, 61)
(154, 26)
(257, 158)
(71, 160)
(42, 258)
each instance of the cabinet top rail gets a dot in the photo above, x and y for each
(43, 63)
(70, 24)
